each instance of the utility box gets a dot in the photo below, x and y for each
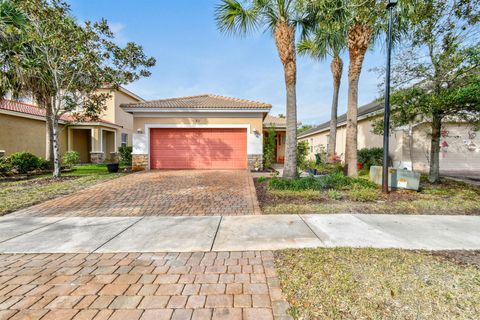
(397, 178)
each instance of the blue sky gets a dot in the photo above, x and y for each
(193, 57)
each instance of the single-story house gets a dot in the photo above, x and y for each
(23, 128)
(409, 145)
(204, 132)
(198, 132)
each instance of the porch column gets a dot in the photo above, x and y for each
(97, 155)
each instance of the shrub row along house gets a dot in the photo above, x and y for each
(204, 131)
(409, 145)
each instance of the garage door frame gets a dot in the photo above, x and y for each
(193, 126)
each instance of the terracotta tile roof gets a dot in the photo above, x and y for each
(205, 101)
(30, 109)
(274, 121)
(365, 110)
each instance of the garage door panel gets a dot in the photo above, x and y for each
(198, 148)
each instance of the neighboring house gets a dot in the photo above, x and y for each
(198, 132)
(23, 128)
(409, 145)
(279, 124)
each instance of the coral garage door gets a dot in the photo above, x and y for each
(205, 148)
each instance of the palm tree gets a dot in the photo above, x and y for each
(366, 20)
(328, 40)
(281, 18)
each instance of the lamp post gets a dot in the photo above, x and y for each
(386, 115)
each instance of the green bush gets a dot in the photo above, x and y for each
(328, 168)
(269, 145)
(332, 181)
(362, 194)
(261, 179)
(302, 152)
(24, 162)
(126, 155)
(370, 157)
(71, 158)
(334, 194)
(5, 165)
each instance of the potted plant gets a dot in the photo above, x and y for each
(112, 167)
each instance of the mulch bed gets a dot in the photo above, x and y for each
(265, 198)
(462, 257)
(34, 181)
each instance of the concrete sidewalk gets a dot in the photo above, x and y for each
(236, 233)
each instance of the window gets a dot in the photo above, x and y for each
(124, 139)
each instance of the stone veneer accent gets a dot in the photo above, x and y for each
(252, 158)
(97, 157)
(139, 162)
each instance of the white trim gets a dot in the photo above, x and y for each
(252, 144)
(199, 115)
(195, 110)
(108, 125)
(92, 133)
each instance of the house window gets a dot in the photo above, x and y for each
(124, 139)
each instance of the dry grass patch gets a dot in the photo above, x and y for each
(15, 195)
(345, 283)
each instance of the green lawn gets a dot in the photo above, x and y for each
(447, 197)
(15, 195)
(346, 283)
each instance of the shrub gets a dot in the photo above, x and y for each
(332, 181)
(328, 168)
(261, 179)
(362, 194)
(25, 161)
(269, 145)
(5, 165)
(370, 157)
(302, 152)
(71, 158)
(126, 155)
(334, 194)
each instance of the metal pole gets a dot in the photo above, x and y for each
(386, 115)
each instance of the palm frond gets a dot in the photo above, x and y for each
(234, 18)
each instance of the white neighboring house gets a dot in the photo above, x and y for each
(409, 146)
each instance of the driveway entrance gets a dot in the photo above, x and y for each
(159, 192)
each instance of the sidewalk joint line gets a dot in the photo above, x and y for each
(316, 235)
(216, 232)
(116, 235)
(46, 225)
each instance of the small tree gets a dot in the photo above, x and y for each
(437, 75)
(70, 62)
(269, 145)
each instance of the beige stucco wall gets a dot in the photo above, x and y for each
(255, 123)
(115, 114)
(80, 141)
(460, 147)
(366, 139)
(410, 147)
(23, 134)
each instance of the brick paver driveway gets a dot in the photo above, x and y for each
(132, 286)
(179, 192)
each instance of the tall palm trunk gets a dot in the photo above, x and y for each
(359, 37)
(337, 69)
(434, 174)
(285, 42)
